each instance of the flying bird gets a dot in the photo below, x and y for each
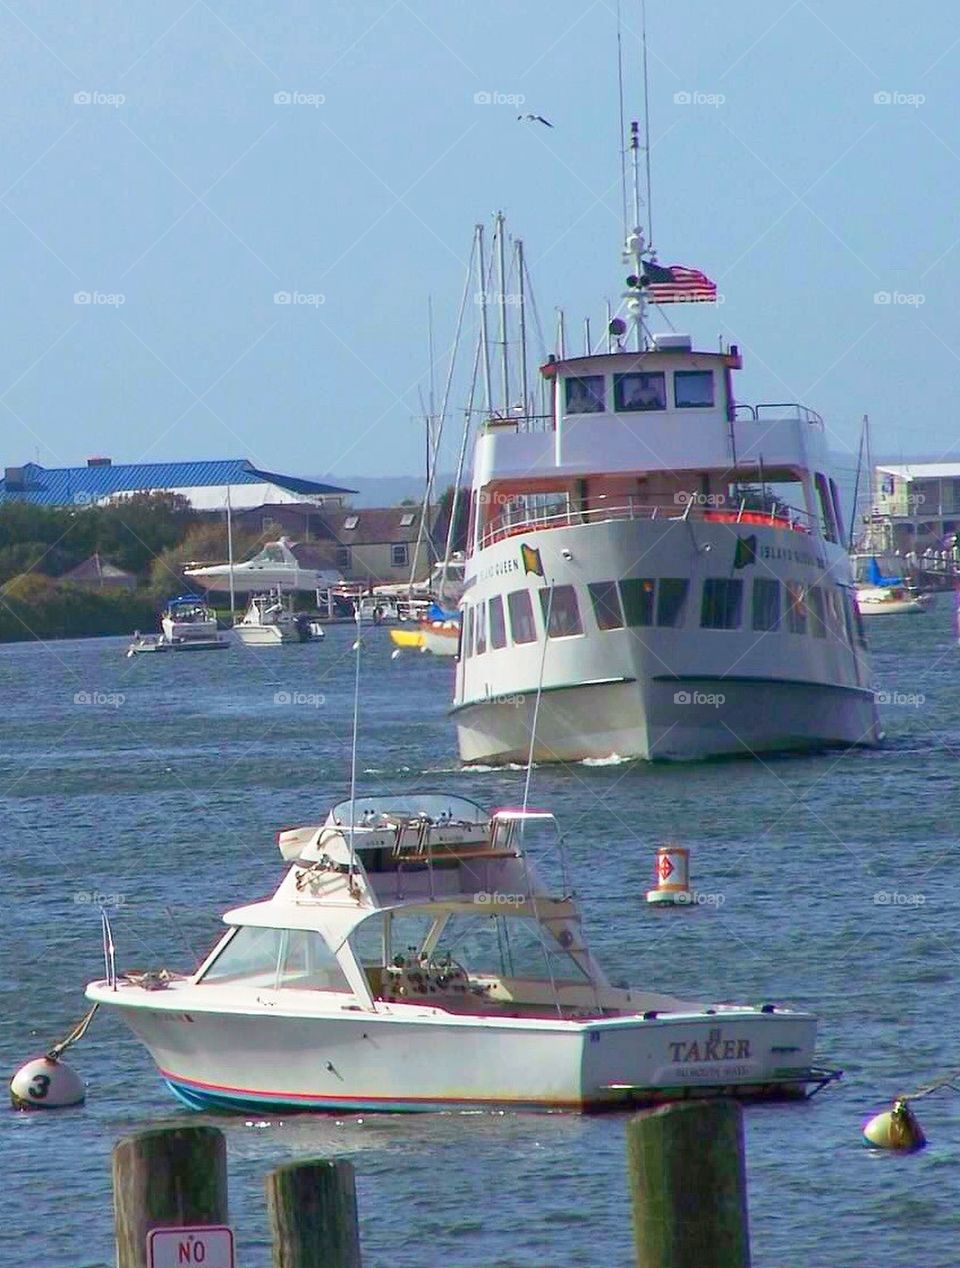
(534, 118)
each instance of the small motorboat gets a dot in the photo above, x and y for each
(270, 621)
(187, 625)
(413, 958)
(188, 619)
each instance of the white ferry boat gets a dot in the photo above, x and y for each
(656, 567)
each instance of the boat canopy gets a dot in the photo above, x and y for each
(876, 578)
(436, 806)
(337, 922)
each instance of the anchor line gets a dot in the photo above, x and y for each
(948, 1080)
(75, 1035)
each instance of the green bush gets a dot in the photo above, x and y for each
(34, 607)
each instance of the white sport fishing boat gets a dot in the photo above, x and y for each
(655, 568)
(270, 620)
(420, 962)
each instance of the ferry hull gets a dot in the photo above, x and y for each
(658, 691)
(670, 720)
(245, 1061)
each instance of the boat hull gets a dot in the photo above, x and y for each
(429, 1060)
(890, 607)
(667, 720)
(266, 635)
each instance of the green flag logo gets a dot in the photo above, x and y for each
(746, 552)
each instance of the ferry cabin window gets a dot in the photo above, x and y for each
(468, 633)
(637, 595)
(818, 623)
(271, 959)
(480, 628)
(835, 623)
(606, 605)
(584, 395)
(561, 613)
(796, 608)
(827, 525)
(639, 392)
(671, 600)
(523, 628)
(721, 603)
(693, 389)
(766, 603)
(498, 626)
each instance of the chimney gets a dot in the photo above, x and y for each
(13, 479)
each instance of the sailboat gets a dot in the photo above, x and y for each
(891, 596)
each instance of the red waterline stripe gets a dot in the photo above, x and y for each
(383, 1100)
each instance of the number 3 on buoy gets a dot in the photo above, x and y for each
(46, 1083)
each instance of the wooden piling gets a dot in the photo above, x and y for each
(688, 1186)
(313, 1215)
(167, 1176)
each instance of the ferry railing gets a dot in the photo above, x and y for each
(688, 506)
(778, 409)
(798, 412)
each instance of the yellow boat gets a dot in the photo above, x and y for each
(407, 638)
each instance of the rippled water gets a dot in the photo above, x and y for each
(165, 798)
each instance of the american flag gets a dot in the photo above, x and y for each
(677, 284)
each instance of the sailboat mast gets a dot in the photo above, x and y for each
(230, 551)
(431, 422)
(856, 487)
(484, 336)
(521, 295)
(502, 307)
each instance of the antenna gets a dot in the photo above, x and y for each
(646, 117)
(623, 127)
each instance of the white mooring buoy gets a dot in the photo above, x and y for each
(896, 1128)
(672, 871)
(46, 1083)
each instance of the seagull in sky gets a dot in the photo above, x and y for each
(534, 118)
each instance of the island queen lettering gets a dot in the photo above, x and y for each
(714, 1048)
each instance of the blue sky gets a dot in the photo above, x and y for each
(805, 155)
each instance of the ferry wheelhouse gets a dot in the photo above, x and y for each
(657, 569)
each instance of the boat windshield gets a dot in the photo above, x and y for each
(487, 943)
(276, 959)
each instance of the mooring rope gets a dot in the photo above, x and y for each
(75, 1035)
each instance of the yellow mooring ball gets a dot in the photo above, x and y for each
(46, 1083)
(895, 1128)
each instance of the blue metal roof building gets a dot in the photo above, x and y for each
(204, 484)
